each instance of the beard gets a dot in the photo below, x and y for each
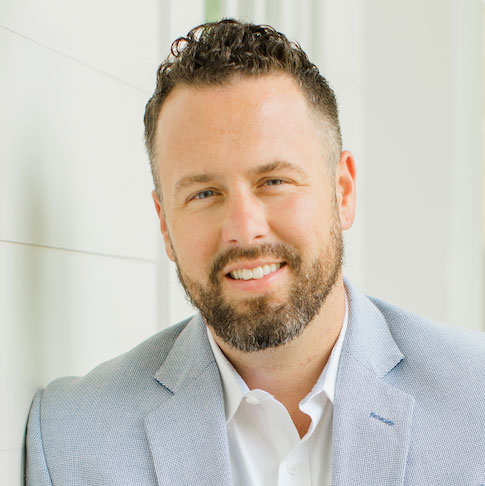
(259, 323)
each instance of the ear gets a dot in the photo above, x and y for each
(163, 227)
(345, 189)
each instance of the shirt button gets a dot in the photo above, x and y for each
(292, 467)
(252, 400)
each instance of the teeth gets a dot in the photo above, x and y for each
(258, 272)
(254, 273)
(247, 274)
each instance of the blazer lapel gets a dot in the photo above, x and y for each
(187, 432)
(372, 419)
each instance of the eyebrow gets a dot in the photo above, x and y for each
(277, 165)
(190, 180)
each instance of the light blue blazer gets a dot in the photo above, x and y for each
(409, 410)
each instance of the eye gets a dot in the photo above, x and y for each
(203, 194)
(274, 182)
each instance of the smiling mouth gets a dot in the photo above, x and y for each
(255, 273)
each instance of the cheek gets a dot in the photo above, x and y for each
(301, 221)
(195, 245)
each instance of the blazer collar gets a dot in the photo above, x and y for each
(189, 356)
(368, 338)
(187, 432)
(372, 418)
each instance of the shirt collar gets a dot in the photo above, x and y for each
(234, 387)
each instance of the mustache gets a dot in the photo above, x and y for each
(281, 251)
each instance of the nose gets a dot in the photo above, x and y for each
(245, 221)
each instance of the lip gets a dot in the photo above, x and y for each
(249, 265)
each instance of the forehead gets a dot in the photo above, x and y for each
(245, 121)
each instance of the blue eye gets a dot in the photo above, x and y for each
(203, 195)
(274, 182)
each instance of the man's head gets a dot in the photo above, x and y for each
(251, 214)
(213, 53)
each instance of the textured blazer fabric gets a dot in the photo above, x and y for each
(409, 410)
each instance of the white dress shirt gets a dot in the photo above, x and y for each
(264, 445)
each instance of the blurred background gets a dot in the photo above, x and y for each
(83, 273)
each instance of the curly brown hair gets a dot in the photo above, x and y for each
(215, 52)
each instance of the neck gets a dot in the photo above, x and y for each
(288, 372)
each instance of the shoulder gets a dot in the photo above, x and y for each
(107, 406)
(422, 333)
(114, 380)
(450, 350)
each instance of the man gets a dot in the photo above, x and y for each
(288, 375)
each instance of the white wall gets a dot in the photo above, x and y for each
(79, 244)
(423, 156)
(83, 275)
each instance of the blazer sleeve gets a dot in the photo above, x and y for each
(36, 470)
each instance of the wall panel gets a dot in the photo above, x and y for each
(11, 466)
(422, 133)
(119, 37)
(74, 170)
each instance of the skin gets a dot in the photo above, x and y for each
(214, 146)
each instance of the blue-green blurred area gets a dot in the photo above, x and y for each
(213, 10)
